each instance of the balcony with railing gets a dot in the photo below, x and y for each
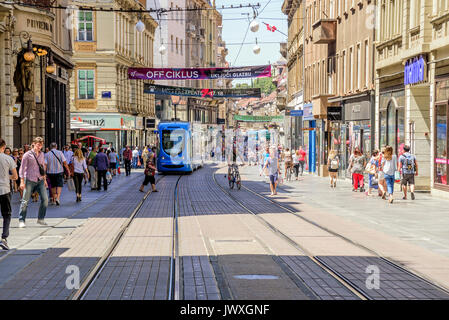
(40, 4)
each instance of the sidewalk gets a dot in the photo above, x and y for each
(424, 221)
(30, 243)
(414, 234)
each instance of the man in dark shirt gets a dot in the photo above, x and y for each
(101, 164)
(127, 157)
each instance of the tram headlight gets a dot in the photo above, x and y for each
(163, 158)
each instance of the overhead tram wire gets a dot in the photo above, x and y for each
(90, 8)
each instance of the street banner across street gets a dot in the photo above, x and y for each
(204, 93)
(247, 118)
(199, 73)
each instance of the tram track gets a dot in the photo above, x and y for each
(279, 233)
(342, 237)
(322, 263)
(93, 275)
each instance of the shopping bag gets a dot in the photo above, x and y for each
(118, 170)
(397, 176)
(70, 184)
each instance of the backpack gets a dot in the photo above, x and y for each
(409, 164)
(334, 163)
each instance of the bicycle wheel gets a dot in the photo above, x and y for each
(238, 181)
(231, 182)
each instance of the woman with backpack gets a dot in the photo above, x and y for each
(333, 162)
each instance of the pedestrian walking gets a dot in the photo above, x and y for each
(101, 164)
(372, 169)
(56, 163)
(357, 165)
(113, 161)
(333, 163)
(408, 167)
(272, 164)
(127, 157)
(68, 154)
(150, 171)
(19, 163)
(80, 169)
(90, 166)
(135, 157)
(145, 154)
(302, 159)
(288, 161)
(295, 158)
(33, 178)
(389, 168)
(8, 172)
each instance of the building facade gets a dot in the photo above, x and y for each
(105, 45)
(35, 51)
(412, 71)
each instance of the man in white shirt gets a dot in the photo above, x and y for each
(7, 172)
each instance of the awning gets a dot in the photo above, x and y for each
(77, 125)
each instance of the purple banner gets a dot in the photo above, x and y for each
(199, 73)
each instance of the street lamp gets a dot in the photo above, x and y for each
(140, 26)
(162, 49)
(256, 48)
(29, 55)
(51, 67)
(254, 26)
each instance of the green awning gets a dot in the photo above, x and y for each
(258, 118)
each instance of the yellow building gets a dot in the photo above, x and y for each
(105, 45)
(412, 84)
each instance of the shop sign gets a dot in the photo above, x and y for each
(221, 121)
(296, 113)
(308, 114)
(128, 122)
(150, 123)
(415, 70)
(16, 109)
(105, 121)
(106, 94)
(334, 113)
(139, 123)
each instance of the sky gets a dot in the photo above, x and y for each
(234, 32)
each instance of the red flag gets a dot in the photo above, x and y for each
(271, 28)
(207, 92)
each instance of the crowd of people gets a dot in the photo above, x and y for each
(384, 169)
(40, 174)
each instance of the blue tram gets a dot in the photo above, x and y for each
(179, 147)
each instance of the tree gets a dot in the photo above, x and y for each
(266, 85)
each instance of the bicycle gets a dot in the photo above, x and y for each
(234, 176)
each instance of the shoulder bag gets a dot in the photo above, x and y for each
(41, 168)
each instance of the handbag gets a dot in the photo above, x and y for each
(70, 184)
(41, 168)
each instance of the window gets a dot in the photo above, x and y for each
(358, 65)
(181, 48)
(343, 69)
(350, 69)
(171, 43)
(86, 84)
(367, 64)
(85, 26)
(177, 48)
(441, 143)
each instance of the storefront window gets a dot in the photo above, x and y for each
(400, 131)
(391, 124)
(441, 145)
(383, 128)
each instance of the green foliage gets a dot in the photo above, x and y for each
(266, 85)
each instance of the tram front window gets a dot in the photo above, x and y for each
(173, 142)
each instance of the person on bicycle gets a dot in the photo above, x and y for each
(288, 161)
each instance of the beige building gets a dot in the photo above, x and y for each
(35, 63)
(105, 45)
(412, 87)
